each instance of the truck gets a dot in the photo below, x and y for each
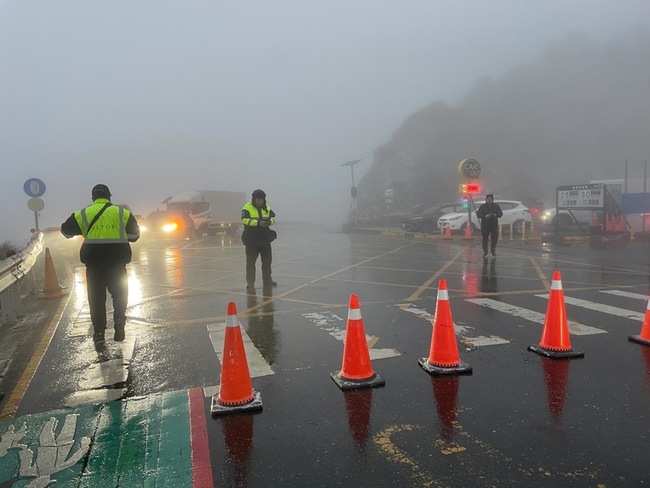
(211, 211)
(616, 188)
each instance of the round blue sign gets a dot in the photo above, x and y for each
(34, 187)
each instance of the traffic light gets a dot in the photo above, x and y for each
(471, 188)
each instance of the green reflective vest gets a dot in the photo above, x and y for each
(110, 227)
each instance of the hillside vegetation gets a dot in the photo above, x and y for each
(574, 115)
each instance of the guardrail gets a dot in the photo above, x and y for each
(14, 270)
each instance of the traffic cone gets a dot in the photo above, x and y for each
(555, 341)
(447, 234)
(644, 336)
(356, 371)
(443, 355)
(51, 286)
(468, 232)
(236, 392)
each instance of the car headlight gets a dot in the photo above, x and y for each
(456, 218)
(170, 227)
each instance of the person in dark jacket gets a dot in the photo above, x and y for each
(489, 214)
(257, 218)
(107, 230)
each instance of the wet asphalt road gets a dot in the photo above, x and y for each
(518, 420)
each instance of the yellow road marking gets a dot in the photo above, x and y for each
(540, 273)
(393, 453)
(426, 284)
(18, 392)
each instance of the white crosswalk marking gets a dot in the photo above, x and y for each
(626, 294)
(575, 328)
(461, 330)
(600, 307)
(257, 365)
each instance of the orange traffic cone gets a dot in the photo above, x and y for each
(443, 355)
(468, 231)
(555, 341)
(447, 234)
(51, 286)
(644, 336)
(236, 392)
(356, 371)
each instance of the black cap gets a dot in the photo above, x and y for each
(100, 191)
(259, 194)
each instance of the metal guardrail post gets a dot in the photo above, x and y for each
(13, 271)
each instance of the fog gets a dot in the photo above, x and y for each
(155, 97)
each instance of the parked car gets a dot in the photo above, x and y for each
(514, 212)
(167, 224)
(427, 221)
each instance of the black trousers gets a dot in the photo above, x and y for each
(252, 252)
(98, 280)
(493, 232)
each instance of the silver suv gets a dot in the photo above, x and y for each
(514, 212)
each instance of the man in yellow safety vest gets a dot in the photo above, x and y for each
(107, 230)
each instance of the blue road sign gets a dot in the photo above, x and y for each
(34, 187)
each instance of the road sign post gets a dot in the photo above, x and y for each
(35, 188)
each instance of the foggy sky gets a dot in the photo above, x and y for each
(153, 97)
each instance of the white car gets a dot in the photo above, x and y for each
(514, 212)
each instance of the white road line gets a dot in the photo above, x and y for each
(461, 330)
(329, 321)
(600, 307)
(575, 328)
(99, 378)
(257, 365)
(626, 294)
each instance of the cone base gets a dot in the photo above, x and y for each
(462, 368)
(638, 339)
(218, 409)
(52, 292)
(348, 384)
(556, 354)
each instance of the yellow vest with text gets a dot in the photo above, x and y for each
(110, 227)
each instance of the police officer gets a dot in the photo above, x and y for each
(257, 217)
(489, 213)
(107, 230)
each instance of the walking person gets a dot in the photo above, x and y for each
(489, 214)
(257, 218)
(107, 230)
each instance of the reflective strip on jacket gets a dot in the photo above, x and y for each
(110, 228)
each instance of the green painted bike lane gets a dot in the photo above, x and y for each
(154, 441)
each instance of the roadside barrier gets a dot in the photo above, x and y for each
(443, 354)
(356, 371)
(555, 342)
(13, 271)
(51, 286)
(644, 336)
(236, 392)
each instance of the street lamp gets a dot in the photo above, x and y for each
(353, 190)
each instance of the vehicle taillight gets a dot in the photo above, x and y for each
(171, 227)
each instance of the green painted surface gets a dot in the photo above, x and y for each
(133, 443)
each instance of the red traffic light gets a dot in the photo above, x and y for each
(471, 188)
